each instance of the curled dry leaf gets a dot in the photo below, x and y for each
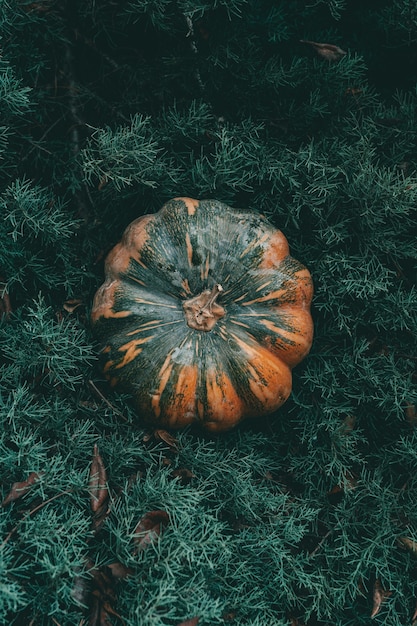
(408, 544)
(99, 493)
(379, 596)
(72, 304)
(119, 570)
(163, 435)
(19, 489)
(149, 528)
(326, 50)
(183, 474)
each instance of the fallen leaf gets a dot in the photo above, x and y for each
(190, 622)
(37, 7)
(411, 414)
(119, 570)
(102, 182)
(408, 544)
(353, 91)
(326, 50)
(103, 598)
(149, 528)
(183, 474)
(71, 305)
(166, 437)
(348, 424)
(97, 486)
(5, 305)
(379, 596)
(19, 489)
(349, 483)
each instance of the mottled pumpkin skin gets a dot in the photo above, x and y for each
(178, 375)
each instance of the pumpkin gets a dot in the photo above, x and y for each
(202, 315)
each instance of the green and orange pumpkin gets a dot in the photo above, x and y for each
(202, 315)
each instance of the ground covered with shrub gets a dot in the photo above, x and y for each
(307, 113)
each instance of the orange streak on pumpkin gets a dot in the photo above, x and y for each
(136, 235)
(143, 301)
(273, 295)
(182, 408)
(117, 263)
(132, 350)
(136, 280)
(297, 291)
(189, 249)
(241, 297)
(263, 286)
(223, 402)
(151, 326)
(107, 366)
(254, 244)
(133, 240)
(205, 268)
(239, 323)
(269, 377)
(276, 250)
(104, 301)
(300, 337)
(144, 327)
(164, 375)
(185, 285)
(190, 204)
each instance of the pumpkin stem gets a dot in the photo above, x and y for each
(202, 312)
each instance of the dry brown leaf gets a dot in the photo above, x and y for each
(19, 489)
(72, 304)
(5, 304)
(348, 424)
(99, 493)
(193, 621)
(149, 528)
(379, 596)
(183, 474)
(411, 414)
(326, 50)
(166, 437)
(102, 182)
(350, 483)
(353, 91)
(162, 435)
(103, 598)
(119, 570)
(408, 544)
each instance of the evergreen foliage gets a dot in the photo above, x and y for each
(108, 109)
